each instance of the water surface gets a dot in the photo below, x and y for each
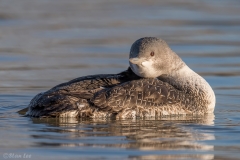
(44, 43)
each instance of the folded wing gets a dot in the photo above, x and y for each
(143, 97)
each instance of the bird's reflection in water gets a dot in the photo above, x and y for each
(167, 135)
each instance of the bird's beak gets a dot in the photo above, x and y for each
(136, 60)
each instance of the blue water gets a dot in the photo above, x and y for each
(44, 43)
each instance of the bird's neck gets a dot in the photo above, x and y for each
(190, 82)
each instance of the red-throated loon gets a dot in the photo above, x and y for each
(157, 83)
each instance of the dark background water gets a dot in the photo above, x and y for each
(44, 43)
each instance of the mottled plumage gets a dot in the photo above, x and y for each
(158, 83)
(67, 98)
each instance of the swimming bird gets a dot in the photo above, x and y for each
(157, 83)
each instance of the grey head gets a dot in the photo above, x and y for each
(151, 57)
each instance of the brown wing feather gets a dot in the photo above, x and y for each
(143, 93)
(66, 96)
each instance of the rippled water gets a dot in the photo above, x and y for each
(44, 43)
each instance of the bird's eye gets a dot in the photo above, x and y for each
(152, 54)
